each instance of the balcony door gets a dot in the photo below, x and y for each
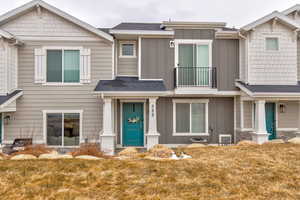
(193, 64)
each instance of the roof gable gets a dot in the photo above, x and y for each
(291, 9)
(35, 3)
(279, 16)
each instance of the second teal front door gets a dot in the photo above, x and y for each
(270, 120)
(133, 124)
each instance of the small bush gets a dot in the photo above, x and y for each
(88, 149)
(129, 152)
(160, 151)
(35, 150)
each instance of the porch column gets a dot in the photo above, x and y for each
(152, 135)
(107, 136)
(298, 131)
(260, 135)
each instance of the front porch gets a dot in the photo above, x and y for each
(129, 122)
(264, 119)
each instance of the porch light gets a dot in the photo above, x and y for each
(282, 108)
(7, 118)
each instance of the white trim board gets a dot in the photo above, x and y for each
(22, 9)
(140, 32)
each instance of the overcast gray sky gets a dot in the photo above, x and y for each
(107, 13)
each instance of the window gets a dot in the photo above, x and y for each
(127, 49)
(194, 62)
(63, 66)
(190, 117)
(63, 128)
(272, 44)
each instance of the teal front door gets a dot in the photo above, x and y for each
(133, 124)
(270, 120)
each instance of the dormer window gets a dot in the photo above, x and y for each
(127, 49)
(272, 44)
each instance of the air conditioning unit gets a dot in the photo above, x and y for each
(225, 139)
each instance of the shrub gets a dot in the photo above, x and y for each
(88, 149)
(35, 150)
(160, 151)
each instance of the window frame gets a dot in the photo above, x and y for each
(62, 48)
(193, 42)
(272, 37)
(190, 102)
(45, 112)
(121, 49)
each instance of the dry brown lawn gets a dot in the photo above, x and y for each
(255, 172)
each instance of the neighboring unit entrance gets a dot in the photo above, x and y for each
(133, 124)
(270, 120)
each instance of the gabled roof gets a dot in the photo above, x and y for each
(6, 34)
(7, 99)
(138, 26)
(23, 9)
(291, 9)
(282, 18)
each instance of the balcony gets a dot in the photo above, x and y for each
(195, 77)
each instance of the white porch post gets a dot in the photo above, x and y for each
(107, 136)
(260, 135)
(298, 131)
(152, 135)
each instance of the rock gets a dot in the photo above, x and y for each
(277, 141)
(87, 157)
(55, 156)
(160, 151)
(295, 140)
(23, 157)
(128, 152)
(246, 143)
(195, 145)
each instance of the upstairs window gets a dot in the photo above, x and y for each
(63, 66)
(128, 49)
(272, 44)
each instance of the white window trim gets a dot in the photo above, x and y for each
(190, 101)
(197, 42)
(121, 52)
(45, 112)
(272, 36)
(62, 48)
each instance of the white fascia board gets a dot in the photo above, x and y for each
(291, 9)
(11, 100)
(31, 4)
(6, 34)
(141, 32)
(266, 18)
(132, 94)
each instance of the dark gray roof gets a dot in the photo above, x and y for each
(272, 88)
(130, 84)
(106, 30)
(4, 98)
(138, 26)
(229, 29)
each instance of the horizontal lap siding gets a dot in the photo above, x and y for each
(248, 112)
(288, 119)
(28, 120)
(221, 120)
